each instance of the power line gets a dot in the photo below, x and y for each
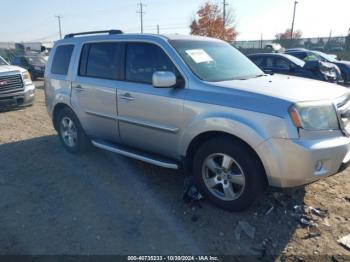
(59, 25)
(141, 12)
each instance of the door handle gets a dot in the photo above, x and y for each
(127, 97)
(78, 88)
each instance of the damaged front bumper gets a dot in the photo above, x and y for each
(296, 162)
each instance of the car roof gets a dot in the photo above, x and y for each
(269, 54)
(155, 37)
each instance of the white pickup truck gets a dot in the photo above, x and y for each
(16, 87)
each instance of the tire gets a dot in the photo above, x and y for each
(344, 77)
(243, 177)
(71, 133)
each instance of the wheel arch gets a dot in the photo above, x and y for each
(202, 137)
(57, 109)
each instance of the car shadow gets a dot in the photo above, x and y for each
(54, 202)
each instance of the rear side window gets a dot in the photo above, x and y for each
(281, 63)
(143, 59)
(101, 60)
(258, 61)
(269, 62)
(61, 59)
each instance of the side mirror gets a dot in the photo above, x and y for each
(163, 79)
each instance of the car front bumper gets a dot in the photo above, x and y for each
(296, 162)
(37, 73)
(19, 99)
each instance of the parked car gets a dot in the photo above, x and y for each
(35, 64)
(198, 104)
(295, 49)
(16, 88)
(309, 55)
(274, 48)
(290, 65)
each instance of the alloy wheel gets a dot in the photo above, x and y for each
(223, 176)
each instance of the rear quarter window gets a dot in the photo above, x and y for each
(61, 59)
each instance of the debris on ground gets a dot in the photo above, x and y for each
(347, 198)
(191, 194)
(264, 248)
(281, 199)
(311, 213)
(319, 212)
(306, 222)
(326, 222)
(312, 232)
(244, 227)
(268, 212)
(310, 217)
(345, 241)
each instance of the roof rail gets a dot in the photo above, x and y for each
(110, 32)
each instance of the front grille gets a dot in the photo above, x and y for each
(343, 111)
(11, 84)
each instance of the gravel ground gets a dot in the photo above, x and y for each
(53, 202)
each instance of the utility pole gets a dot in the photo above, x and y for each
(224, 13)
(292, 30)
(158, 29)
(59, 25)
(141, 12)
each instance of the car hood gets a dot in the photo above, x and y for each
(343, 63)
(288, 88)
(10, 68)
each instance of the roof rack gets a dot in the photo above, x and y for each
(110, 32)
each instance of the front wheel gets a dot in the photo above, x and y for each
(228, 173)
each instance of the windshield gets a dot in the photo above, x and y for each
(215, 61)
(36, 60)
(327, 57)
(295, 60)
(2, 61)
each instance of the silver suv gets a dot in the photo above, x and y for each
(198, 104)
(16, 87)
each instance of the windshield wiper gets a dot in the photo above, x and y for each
(249, 77)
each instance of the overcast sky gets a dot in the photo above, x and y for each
(34, 20)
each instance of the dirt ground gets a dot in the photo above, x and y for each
(53, 202)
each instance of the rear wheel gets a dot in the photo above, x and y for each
(228, 173)
(71, 133)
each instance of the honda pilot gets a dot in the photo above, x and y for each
(199, 105)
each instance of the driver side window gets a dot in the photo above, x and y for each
(143, 59)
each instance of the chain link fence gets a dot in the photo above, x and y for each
(339, 45)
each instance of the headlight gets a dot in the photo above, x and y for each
(314, 116)
(329, 73)
(26, 78)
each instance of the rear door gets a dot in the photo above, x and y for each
(94, 89)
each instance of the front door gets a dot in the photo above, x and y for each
(149, 118)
